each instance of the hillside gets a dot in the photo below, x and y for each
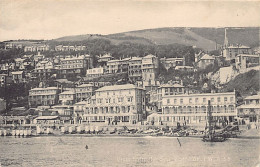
(205, 38)
(246, 83)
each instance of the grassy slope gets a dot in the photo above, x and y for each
(201, 37)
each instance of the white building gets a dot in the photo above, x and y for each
(95, 72)
(112, 104)
(250, 110)
(43, 96)
(230, 52)
(150, 65)
(67, 98)
(193, 108)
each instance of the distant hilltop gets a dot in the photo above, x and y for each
(205, 38)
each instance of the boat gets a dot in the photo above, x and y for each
(210, 133)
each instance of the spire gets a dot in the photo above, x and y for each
(226, 39)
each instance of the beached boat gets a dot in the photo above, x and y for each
(210, 133)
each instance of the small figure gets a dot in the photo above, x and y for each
(86, 147)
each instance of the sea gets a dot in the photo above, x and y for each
(67, 151)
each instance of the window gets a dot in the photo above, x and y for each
(108, 93)
(166, 91)
(107, 100)
(212, 100)
(219, 100)
(196, 100)
(190, 100)
(175, 101)
(129, 99)
(120, 99)
(181, 101)
(168, 101)
(231, 99)
(204, 100)
(225, 99)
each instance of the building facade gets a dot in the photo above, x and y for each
(18, 76)
(250, 110)
(95, 72)
(118, 66)
(172, 62)
(193, 108)
(205, 61)
(114, 104)
(43, 96)
(84, 92)
(135, 69)
(69, 48)
(67, 97)
(230, 52)
(44, 69)
(244, 61)
(150, 65)
(75, 65)
(36, 48)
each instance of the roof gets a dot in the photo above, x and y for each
(106, 56)
(207, 57)
(252, 97)
(248, 55)
(174, 85)
(202, 94)
(81, 103)
(67, 92)
(84, 85)
(249, 106)
(118, 87)
(17, 72)
(46, 117)
(48, 88)
(136, 58)
(238, 46)
(150, 56)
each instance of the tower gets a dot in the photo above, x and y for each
(226, 39)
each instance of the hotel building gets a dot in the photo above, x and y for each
(114, 104)
(118, 66)
(172, 62)
(75, 65)
(84, 92)
(150, 66)
(251, 109)
(232, 51)
(192, 108)
(135, 69)
(43, 96)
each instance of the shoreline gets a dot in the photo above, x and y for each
(126, 136)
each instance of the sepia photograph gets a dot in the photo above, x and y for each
(114, 83)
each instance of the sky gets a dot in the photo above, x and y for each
(50, 19)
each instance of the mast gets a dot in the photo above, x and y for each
(210, 121)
